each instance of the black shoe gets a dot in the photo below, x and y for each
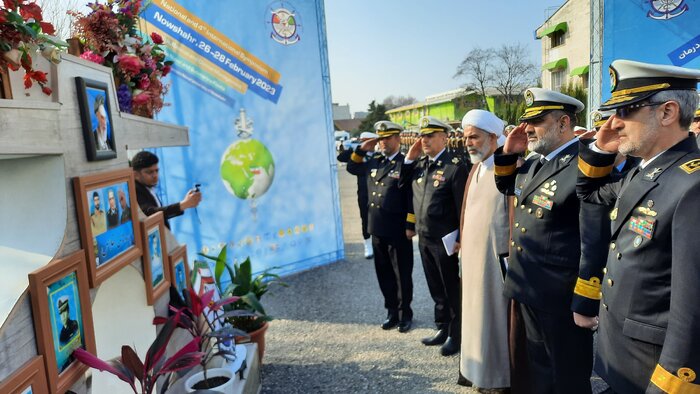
(462, 381)
(390, 323)
(404, 326)
(438, 339)
(450, 347)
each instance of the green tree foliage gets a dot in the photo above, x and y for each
(511, 112)
(377, 112)
(578, 91)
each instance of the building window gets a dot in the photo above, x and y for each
(557, 38)
(558, 78)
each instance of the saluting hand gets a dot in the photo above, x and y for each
(516, 142)
(368, 146)
(607, 138)
(415, 150)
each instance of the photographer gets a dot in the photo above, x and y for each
(145, 166)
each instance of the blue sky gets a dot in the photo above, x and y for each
(378, 48)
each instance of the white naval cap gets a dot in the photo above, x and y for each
(541, 101)
(429, 125)
(385, 128)
(365, 135)
(600, 117)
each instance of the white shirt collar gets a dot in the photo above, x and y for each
(488, 162)
(152, 190)
(646, 163)
(394, 155)
(438, 155)
(555, 152)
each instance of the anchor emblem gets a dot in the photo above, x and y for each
(667, 9)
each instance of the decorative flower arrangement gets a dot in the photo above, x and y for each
(111, 38)
(23, 31)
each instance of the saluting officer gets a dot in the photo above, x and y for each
(438, 181)
(391, 221)
(545, 245)
(648, 339)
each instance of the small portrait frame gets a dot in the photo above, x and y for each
(29, 379)
(111, 236)
(156, 272)
(96, 119)
(179, 269)
(60, 295)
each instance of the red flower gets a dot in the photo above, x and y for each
(93, 57)
(166, 70)
(28, 81)
(46, 90)
(39, 76)
(130, 64)
(31, 11)
(157, 39)
(10, 4)
(141, 98)
(144, 82)
(47, 28)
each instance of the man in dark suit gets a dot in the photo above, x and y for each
(69, 327)
(390, 221)
(145, 166)
(545, 244)
(438, 181)
(112, 212)
(649, 320)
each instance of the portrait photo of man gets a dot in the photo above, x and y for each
(101, 130)
(112, 212)
(98, 220)
(69, 327)
(126, 210)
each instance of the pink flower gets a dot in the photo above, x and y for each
(93, 57)
(157, 39)
(140, 98)
(130, 64)
(144, 82)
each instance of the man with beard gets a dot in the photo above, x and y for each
(437, 182)
(390, 221)
(98, 221)
(649, 319)
(545, 245)
(484, 351)
(112, 212)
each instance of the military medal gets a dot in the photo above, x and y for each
(539, 213)
(650, 203)
(637, 241)
(642, 226)
(543, 202)
(436, 183)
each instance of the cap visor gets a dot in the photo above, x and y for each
(623, 101)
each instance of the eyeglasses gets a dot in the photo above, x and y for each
(626, 112)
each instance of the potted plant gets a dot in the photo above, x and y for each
(249, 288)
(204, 319)
(129, 367)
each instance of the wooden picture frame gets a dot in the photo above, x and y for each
(60, 296)
(96, 118)
(156, 272)
(179, 269)
(5, 87)
(29, 379)
(108, 222)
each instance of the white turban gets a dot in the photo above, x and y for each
(486, 121)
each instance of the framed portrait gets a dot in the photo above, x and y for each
(108, 222)
(96, 118)
(156, 272)
(179, 269)
(62, 318)
(29, 379)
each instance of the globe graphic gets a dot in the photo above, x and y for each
(247, 169)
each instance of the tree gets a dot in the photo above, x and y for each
(578, 91)
(55, 12)
(392, 101)
(477, 69)
(513, 72)
(377, 112)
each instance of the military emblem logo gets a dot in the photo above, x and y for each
(529, 98)
(691, 166)
(285, 23)
(382, 127)
(597, 116)
(424, 122)
(666, 9)
(613, 79)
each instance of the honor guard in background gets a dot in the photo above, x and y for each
(438, 181)
(648, 339)
(545, 245)
(390, 221)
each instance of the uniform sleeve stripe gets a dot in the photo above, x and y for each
(672, 384)
(356, 158)
(505, 170)
(592, 171)
(411, 218)
(588, 288)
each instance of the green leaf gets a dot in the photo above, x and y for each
(252, 300)
(220, 264)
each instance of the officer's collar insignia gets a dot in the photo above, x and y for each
(565, 159)
(455, 160)
(439, 163)
(691, 166)
(653, 173)
(529, 98)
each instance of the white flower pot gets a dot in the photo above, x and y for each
(211, 372)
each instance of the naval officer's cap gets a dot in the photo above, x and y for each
(62, 304)
(539, 102)
(384, 128)
(430, 125)
(600, 117)
(632, 82)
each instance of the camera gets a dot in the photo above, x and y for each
(196, 187)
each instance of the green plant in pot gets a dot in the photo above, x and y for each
(249, 288)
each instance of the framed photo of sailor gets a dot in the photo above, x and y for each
(179, 269)
(62, 318)
(96, 119)
(106, 205)
(156, 272)
(29, 379)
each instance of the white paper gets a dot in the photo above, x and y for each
(449, 242)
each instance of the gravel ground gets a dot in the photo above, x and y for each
(326, 336)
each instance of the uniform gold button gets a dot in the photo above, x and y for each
(517, 225)
(512, 243)
(376, 183)
(610, 282)
(374, 193)
(605, 270)
(529, 210)
(520, 249)
(382, 183)
(522, 207)
(619, 256)
(612, 245)
(522, 230)
(379, 195)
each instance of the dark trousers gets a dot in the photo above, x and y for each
(560, 353)
(362, 202)
(393, 262)
(442, 275)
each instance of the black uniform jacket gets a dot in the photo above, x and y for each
(149, 206)
(545, 244)
(438, 190)
(390, 212)
(344, 157)
(651, 288)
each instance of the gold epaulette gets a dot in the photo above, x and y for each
(588, 288)
(411, 218)
(675, 384)
(356, 158)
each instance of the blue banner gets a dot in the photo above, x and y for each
(251, 82)
(650, 31)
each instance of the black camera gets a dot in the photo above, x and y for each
(196, 187)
